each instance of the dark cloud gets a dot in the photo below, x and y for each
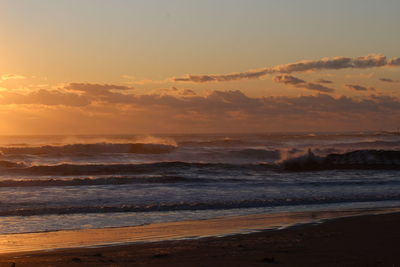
(394, 62)
(358, 87)
(323, 81)
(335, 63)
(388, 80)
(287, 79)
(224, 77)
(370, 61)
(96, 89)
(299, 83)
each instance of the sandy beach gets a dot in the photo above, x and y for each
(367, 240)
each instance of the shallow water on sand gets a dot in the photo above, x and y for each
(221, 226)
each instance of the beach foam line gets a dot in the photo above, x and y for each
(217, 227)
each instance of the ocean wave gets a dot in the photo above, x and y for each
(120, 169)
(113, 180)
(174, 179)
(375, 144)
(223, 142)
(259, 154)
(182, 206)
(136, 148)
(241, 160)
(359, 159)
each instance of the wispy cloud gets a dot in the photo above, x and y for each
(388, 80)
(176, 92)
(287, 79)
(97, 88)
(324, 81)
(299, 83)
(357, 87)
(335, 63)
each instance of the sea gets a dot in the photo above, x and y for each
(52, 183)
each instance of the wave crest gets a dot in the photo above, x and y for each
(359, 159)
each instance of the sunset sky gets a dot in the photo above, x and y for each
(188, 66)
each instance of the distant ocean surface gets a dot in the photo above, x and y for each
(49, 183)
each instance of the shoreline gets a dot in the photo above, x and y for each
(365, 240)
(173, 231)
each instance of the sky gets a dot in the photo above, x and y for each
(188, 66)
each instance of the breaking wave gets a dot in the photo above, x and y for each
(243, 160)
(359, 159)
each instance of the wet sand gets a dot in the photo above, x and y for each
(368, 240)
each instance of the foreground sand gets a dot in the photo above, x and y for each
(371, 240)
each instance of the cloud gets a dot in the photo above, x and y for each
(323, 81)
(223, 78)
(369, 61)
(358, 87)
(218, 102)
(102, 92)
(94, 88)
(394, 62)
(334, 63)
(216, 111)
(6, 77)
(215, 103)
(388, 80)
(287, 79)
(174, 91)
(299, 83)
